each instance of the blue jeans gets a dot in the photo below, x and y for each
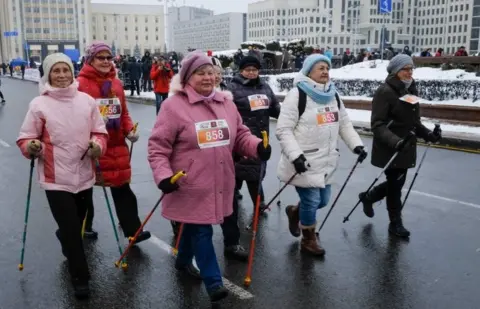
(159, 98)
(197, 242)
(312, 199)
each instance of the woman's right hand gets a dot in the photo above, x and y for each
(167, 186)
(34, 147)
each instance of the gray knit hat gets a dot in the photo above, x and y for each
(399, 62)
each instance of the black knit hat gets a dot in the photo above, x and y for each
(249, 61)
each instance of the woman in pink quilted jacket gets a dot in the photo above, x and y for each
(60, 125)
(197, 131)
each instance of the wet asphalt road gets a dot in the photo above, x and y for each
(364, 268)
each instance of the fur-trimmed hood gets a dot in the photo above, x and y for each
(176, 87)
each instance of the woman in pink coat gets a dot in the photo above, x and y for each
(197, 131)
(60, 125)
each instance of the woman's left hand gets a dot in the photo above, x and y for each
(133, 137)
(264, 153)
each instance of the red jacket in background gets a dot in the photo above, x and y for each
(161, 78)
(115, 164)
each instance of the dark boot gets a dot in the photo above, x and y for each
(367, 205)
(236, 252)
(190, 270)
(396, 226)
(90, 234)
(144, 235)
(309, 242)
(369, 198)
(81, 288)
(218, 293)
(293, 220)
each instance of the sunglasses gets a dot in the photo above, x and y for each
(103, 58)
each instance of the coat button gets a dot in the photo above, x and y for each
(221, 162)
(220, 192)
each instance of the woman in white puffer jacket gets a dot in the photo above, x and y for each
(311, 120)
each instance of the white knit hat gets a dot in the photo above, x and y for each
(216, 61)
(53, 59)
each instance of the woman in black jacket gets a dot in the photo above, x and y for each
(395, 101)
(256, 103)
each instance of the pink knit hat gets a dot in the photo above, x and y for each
(95, 48)
(191, 62)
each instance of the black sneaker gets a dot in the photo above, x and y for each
(218, 293)
(397, 229)
(189, 269)
(367, 205)
(81, 288)
(90, 234)
(144, 235)
(236, 252)
(64, 252)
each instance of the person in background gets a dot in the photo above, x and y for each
(389, 105)
(161, 75)
(197, 131)
(135, 73)
(1, 94)
(98, 79)
(256, 103)
(439, 52)
(309, 144)
(58, 143)
(461, 52)
(329, 53)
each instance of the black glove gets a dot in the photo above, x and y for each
(166, 186)
(436, 135)
(360, 151)
(299, 163)
(264, 153)
(404, 142)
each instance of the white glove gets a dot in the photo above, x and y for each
(94, 150)
(133, 137)
(34, 147)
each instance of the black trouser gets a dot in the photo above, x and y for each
(230, 229)
(126, 207)
(68, 210)
(146, 84)
(134, 84)
(252, 189)
(392, 190)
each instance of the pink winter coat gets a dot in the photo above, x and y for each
(64, 120)
(180, 141)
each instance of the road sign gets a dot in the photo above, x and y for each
(385, 6)
(10, 33)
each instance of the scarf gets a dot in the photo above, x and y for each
(319, 93)
(407, 83)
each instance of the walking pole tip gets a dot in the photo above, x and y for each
(20, 267)
(345, 219)
(247, 281)
(124, 266)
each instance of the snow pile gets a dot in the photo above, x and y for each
(227, 53)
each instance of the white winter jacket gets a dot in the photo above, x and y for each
(315, 135)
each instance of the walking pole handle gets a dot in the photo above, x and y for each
(134, 130)
(177, 176)
(265, 139)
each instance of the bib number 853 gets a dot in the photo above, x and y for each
(328, 117)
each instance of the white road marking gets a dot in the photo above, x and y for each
(234, 289)
(4, 143)
(445, 199)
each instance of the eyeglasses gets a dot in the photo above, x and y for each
(103, 58)
(251, 70)
(408, 69)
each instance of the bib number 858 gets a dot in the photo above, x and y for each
(214, 135)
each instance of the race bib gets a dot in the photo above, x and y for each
(111, 108)
(325, 116)
(212, 133)
(409, 98)
(258, 101)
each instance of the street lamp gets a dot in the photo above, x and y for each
(165, 21)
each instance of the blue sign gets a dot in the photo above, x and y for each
(10, 33)
(384, 6)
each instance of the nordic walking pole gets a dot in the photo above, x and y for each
(132, 240)
(339, 194)
(134, 130)
(267, 207)
(84, 224)
(345, 219)
(102, 183)
(177, 241)
(248, 278)
(418, 169)
(29, 192)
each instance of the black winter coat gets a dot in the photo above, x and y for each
(257, 121)
(387, 106)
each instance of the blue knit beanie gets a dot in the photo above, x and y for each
(312, 60)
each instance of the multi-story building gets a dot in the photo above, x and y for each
(357, 24)
(131, 29)
(42, 27)
(182, 14)
(217, 32)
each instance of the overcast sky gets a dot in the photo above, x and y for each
(218, 6)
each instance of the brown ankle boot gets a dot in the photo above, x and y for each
(309, 242)
(293, 220)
